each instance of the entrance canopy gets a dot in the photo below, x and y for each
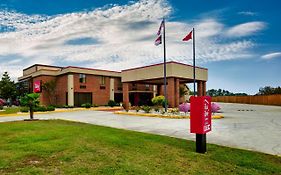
(153, 74)
(177, 75)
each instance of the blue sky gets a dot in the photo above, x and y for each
(238, 41)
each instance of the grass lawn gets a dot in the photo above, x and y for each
(61, 147)
(10, 110)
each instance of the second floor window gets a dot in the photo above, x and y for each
(82, 78)
(147, 87)
(102, 81)
(134, 86)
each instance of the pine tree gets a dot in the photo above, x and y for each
(7, 87)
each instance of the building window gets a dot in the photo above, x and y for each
(82, 87)
(82, 78)
(119, 86)
(147, 87)
(134, 86)
(102, 81)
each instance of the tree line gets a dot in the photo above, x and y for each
(267, 90)
(222, 92)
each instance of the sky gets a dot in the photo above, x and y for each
(238, 41)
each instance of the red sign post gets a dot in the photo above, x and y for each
(37, 86)
(200, 120)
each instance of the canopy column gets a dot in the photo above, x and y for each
(126, 95)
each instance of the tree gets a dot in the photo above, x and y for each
(277, 90)
(21, 89)
(31, 101)
(268, 90)
(211, 92)
(7, 87)
(184, 90)
(50, 88)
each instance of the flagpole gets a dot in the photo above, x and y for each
(194, 79)
(201, 146)
(165, 79)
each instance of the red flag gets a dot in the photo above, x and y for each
(187, 37)
(158, 40)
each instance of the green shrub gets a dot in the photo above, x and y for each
(86, 105)
(173, 110)
(95, 105)
(40, 109)
(137, 108)
(163, 103)
(146, 109)
(111, 103)
(66, 106)
(156, 109)
(1, 107)
(58, 106)
(51, 108)
(158, 100)
(24, 109)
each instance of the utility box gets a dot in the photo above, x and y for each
(200, 114)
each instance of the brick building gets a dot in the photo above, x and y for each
(77, 85)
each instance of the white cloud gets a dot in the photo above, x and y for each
(270, 56)
(245, 29)
(125, 38)
(247, 13)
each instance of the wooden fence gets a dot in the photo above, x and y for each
(261, 99)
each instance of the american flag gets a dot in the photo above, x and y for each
(160, 28)
(158, 40)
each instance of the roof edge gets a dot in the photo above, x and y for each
(42, 65)
(102, 70)
(169, 62)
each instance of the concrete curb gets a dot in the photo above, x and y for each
(161, 116)
(65, 110)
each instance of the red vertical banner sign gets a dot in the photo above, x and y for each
(200, 114)
(37, 86)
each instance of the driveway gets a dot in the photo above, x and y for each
(252, 127)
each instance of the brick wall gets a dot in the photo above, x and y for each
(44, 96)
(61, 90)
(93, 84)
(140, 87)
(100, 96)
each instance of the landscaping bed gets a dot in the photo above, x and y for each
(178, 115)
(61, 147)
